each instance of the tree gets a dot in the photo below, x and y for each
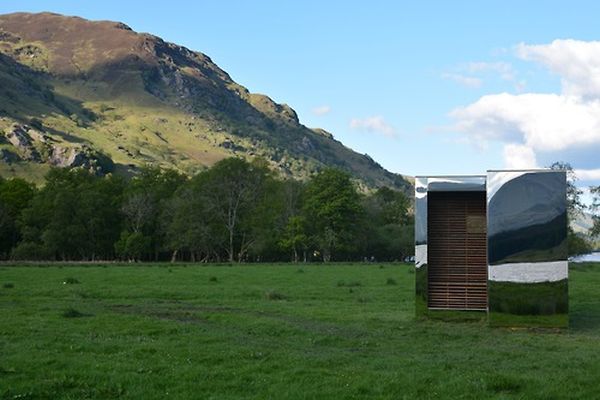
(577, 244)
(232, 188)
(15, 195)
(575, 205)
(74, 216)
(132, 246)
(389, 227)
(595, 207)
(333, 212)
(294, 236)
(144, 204)
(192, 226)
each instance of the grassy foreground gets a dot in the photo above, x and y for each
(273, 331)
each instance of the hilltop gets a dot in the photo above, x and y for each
(99, 95)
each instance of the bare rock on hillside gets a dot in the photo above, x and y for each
(8, 156)
(18, 136)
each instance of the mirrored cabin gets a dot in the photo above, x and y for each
(494, 244)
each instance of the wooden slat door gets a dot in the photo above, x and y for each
(457, 250)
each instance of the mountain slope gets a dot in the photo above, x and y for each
(99, 95)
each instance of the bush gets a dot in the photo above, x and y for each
(133, 245)
(31, 251)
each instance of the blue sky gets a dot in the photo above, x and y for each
(423, 87)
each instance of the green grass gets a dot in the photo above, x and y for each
(267, 331)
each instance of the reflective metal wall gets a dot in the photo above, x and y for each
(421, 245)
(527, 248)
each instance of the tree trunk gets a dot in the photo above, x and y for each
(230, 252)
(174, 255)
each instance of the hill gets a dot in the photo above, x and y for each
(99, 95)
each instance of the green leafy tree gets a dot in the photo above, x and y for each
(333, 212)
(294, 237)
(389, 227)
(15, 195)
(192, 227)
(231, 190)
(132, 245)
(575, 205)
(144, 204)
(73, 217)
(595, 208)
(577, 244)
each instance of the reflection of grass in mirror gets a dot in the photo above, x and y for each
(544, 298)
(528, 321)
(148, 331)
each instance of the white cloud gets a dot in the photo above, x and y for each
(503, 69)
(468, 81)
(588, 174)
(321, 110)
(544, 122)
(374, 124)
(538, 128)
(518, 156)
(471, 74)
(575, 61)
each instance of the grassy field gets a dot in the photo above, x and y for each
(273, 331)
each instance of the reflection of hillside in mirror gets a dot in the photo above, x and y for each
(527, 219)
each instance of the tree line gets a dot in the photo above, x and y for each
(235, 211)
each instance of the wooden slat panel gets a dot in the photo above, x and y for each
(457, 250)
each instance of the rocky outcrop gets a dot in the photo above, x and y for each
(33, 145)
(82, 157)
(8, 156)
(18, 135)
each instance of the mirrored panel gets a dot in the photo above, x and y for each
(527, 248)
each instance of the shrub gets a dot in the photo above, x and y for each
(31, 251)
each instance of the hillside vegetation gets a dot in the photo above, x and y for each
(98, 95)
